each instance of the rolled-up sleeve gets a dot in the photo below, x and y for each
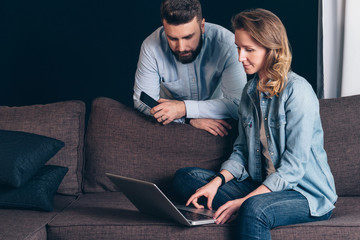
(275, 183)
(146, 78)
(236, 169)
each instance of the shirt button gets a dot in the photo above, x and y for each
(272, 153)
(265, 119)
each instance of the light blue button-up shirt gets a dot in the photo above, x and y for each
(295, 140)
(210, 86)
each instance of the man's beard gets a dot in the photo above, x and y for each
(188, 58)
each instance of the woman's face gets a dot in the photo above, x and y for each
(251, 54)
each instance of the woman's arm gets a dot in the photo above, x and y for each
(209, 190)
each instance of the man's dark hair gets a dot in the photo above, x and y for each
(177, 12)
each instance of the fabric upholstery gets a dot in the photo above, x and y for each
(122, 141)
(27, 224)
(341, 124)
(63, 121)
(40, 234)
(112, 216)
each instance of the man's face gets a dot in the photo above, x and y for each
(185, 39)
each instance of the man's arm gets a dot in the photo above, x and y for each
(146, 79)
(216, 127)
(233, 80)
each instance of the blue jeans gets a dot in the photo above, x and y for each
(258, 214)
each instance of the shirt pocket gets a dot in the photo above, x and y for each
(278, 121)
(247, 124)
(277, 129)
(174, 88)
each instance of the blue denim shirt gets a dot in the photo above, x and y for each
(210, 86)
(295, 140)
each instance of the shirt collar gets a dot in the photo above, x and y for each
(252, 87)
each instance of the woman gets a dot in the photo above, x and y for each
(278, 172)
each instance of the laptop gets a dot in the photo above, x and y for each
(149, 199)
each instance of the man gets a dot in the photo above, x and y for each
(193, 67)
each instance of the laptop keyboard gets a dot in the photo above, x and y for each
(194, 216)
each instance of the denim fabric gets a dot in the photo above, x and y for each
(258, 214)
(295, 141)
(211, 86)
(261, 213)
(188, 180)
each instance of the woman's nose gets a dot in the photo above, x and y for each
(242, 56)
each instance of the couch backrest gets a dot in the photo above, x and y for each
(63, 121)
(341, 124)
(122, 141)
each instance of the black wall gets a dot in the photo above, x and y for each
(54, 50)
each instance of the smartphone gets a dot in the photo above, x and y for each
(149, 101)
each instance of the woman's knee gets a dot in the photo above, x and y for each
(252, 220)
(192, 174)
(182, 175)
(187, 180)
(252, 207)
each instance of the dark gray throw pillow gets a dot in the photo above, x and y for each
(23, 154)
(37, 193)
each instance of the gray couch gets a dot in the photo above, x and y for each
(120, 140)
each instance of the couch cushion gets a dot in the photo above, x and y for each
(23, 154)
(122, 141)
(28, 224)
(112, 216)
(341, 124)
(63, 121)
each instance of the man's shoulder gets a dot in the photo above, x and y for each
(217, 32)
(155, 38)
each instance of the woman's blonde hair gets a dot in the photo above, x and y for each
(268, 30)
